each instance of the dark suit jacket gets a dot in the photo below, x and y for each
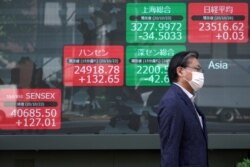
(183, 141)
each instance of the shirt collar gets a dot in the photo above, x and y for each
(190, 95)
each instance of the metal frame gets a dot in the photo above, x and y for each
(110, 142)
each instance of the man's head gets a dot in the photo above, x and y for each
(185, 69)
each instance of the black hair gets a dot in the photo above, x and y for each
(179, 60)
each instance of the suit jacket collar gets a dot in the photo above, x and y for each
(190, 95)
(181, 93)
(192, 107)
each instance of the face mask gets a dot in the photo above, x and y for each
(197, 80)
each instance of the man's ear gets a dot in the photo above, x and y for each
(180, 72)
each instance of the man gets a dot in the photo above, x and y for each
(182, 126)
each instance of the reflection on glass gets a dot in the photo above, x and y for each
(34, 33)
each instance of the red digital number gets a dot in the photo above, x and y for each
(93, 66)
(218, 22)
(30, 109)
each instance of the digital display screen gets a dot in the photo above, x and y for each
(102, 64)
(30, 108)
(156, 22)
(218, 22)
(147, 65)
(93, 66)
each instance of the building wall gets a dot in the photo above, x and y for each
(107, 158)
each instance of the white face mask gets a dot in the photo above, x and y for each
(197, 80)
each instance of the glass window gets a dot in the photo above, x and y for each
(100, 66)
